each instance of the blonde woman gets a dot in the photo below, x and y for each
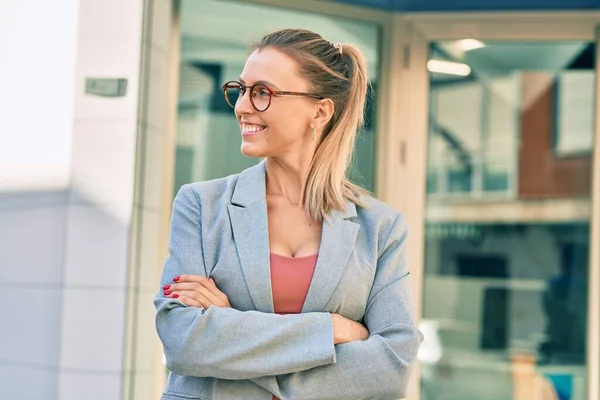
(287, 281)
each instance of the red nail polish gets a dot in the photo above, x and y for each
(176, 278)
(167, 293)
(176, 295)
(166, 287)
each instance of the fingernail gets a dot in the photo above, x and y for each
(176, 278)
(176, 295)
(212, 280)
(166, 287)
(167, 293)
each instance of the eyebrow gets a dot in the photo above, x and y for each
(267, 83)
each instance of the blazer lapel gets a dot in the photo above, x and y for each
(337, 243)
(248, 216)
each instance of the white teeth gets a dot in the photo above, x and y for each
(252, 128)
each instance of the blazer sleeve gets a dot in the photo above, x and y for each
(223, 342)
(380, 366)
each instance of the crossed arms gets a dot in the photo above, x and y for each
(291, 356)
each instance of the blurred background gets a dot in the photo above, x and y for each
(482, 127)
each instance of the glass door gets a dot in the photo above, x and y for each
(507, 273)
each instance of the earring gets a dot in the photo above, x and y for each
(314, 134)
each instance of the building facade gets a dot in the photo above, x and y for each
(482, 127)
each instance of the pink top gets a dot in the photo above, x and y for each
(290, 280)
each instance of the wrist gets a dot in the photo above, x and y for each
(334, 328)
(338, 336)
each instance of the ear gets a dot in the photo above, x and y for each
(323, 113)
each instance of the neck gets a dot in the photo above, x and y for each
(287, 178)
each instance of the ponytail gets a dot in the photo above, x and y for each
(337, 72)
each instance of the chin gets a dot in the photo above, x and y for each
(252, 150)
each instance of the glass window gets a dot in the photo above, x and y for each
(505, 286)
(574, 93)
(215, 41)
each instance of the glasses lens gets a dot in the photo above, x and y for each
(233, 91)
(260, 96)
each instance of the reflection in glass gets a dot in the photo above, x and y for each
(208, 136)
(506, 256)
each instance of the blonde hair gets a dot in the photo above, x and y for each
(338, 72)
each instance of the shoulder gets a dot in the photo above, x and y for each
(380, 219)
(215, 187)
(244, 188)
(207, 192)
(376, 212)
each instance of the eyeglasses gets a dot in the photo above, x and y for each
(260, 95)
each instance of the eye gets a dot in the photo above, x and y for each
(261, 91)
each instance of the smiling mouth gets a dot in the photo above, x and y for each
(251, 129)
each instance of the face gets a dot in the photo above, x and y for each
(286, 126)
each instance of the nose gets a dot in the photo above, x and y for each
(244, 105)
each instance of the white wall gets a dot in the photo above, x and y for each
(95, 282)
(67, 169)
(37, 65)
(37, 53)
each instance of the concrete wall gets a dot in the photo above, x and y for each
(73, 196)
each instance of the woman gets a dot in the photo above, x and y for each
(287, 280)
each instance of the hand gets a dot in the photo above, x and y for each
(345, 330)
(196, 291)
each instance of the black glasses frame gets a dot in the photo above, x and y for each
(272, 93)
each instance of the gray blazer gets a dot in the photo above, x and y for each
(219, 229)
